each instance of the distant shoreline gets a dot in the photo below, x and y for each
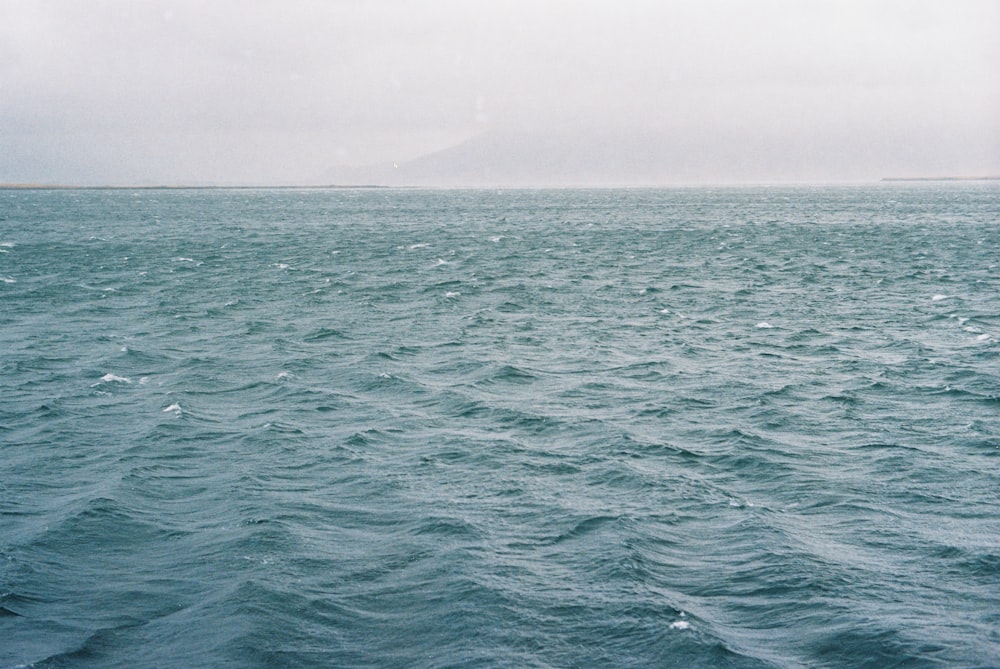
(71, 187)
(996, 178)
(41, 186)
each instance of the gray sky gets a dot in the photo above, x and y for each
(534, 92)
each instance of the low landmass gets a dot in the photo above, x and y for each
(4, 186)
(992, 178)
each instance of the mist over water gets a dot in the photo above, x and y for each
(736, 427)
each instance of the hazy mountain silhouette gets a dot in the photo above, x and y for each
(566, 158)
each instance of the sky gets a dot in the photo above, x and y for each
(470, 92)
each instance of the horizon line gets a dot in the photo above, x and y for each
(251, 186)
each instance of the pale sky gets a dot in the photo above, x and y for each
(531, 93)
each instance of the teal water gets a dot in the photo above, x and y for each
(730, 427)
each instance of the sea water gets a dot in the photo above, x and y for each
(691, 427)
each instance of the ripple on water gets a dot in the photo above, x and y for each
(536, 428)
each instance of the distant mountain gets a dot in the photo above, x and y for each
(628, 157)
(558, 158)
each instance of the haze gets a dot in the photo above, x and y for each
(474, 93)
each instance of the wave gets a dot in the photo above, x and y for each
(291, 437)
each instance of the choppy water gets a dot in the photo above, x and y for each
(734, 427)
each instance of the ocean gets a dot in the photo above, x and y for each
(687, 427)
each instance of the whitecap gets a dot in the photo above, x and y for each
(280, 265)
(282, 375)
(764, 325)
(496, 239)
(8, 245)
(664, 311)
(176, 408)
(982, 337)
(114, 378)
(422, 245)
(938, 297)
(8, 279)
(680, 625)
(452, 294)
(441, 261)
(183, 259)
(962, 320)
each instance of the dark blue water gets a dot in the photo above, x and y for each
(732, 427)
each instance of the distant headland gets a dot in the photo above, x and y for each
(993, 178)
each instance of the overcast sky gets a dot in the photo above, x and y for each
(144, 91)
